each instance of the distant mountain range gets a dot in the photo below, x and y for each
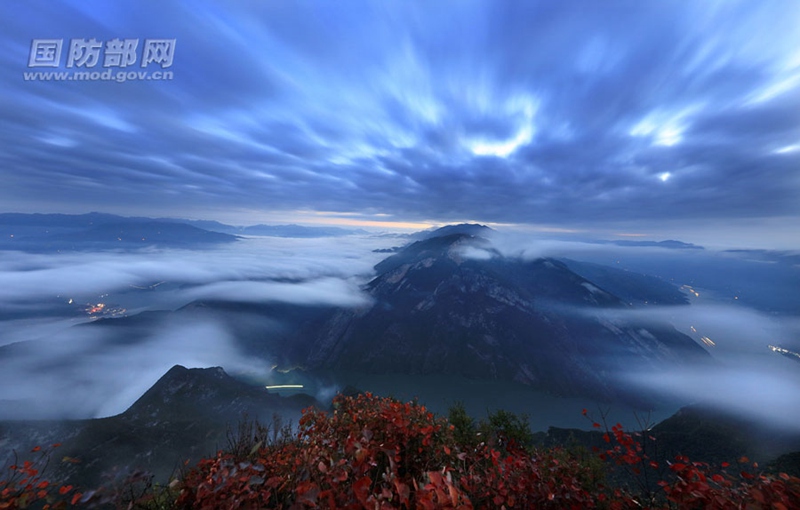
(99, 231)
(789, 258)
(670, 244)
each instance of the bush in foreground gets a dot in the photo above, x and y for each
(379, 453)
(23, 485)
(373, 452)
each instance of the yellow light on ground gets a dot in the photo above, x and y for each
(284, 386)
(708, 341)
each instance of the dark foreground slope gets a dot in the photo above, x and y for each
(186, 415)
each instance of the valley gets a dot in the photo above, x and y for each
(446, 318)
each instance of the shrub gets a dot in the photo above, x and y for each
(23, 485)
(373, 452)
(379, 453)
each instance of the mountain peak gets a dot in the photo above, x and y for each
(472, 229)
(183, 392)
(452, 304)
(425, 251)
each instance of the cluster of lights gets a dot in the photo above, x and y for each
(690, 289)
(781, 350)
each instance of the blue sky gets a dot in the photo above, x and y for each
(656, 117)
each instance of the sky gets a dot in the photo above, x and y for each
(658, 118)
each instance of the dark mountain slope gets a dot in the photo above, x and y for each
(702, 434)
(634, 288)
(183, 416)
(439, 311)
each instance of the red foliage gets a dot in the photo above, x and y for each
(697, 485)
(23, 486)
(379, 453)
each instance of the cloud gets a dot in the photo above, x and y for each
(88, 371)
(36, 278)
(520, 113)
(761, 393)
(83, 373)
(58, 368)
(747, 380)
(326, 291)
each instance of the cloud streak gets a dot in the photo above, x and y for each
(326, 291)
(83, 373)
(58, 367)
(36, 278)
(521, 113)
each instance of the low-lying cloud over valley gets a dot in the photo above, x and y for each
(57, 366)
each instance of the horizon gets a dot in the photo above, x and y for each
(759, 240)
(671, 121)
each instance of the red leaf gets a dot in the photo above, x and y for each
(403, 490)
(361, 489)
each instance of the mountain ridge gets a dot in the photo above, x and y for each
(437, 309)
(187, 414)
